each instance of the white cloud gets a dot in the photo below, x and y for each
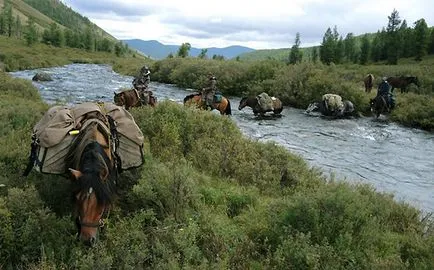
(256, 24)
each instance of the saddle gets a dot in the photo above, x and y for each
(54, 133)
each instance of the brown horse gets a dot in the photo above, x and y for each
(133, 98)
(379, 106)
(223, 106)
(369, 82)
(253, 103)
(92, 165)
(402, 82)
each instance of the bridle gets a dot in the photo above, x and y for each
(101, 222)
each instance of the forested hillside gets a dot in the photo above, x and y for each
(396, 40)
(53, 23)
(64, 15)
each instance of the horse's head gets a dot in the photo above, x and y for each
(94, 190)
(349, 107)
(119, 99)
(243, 103)
(414, 80)
(313, 107)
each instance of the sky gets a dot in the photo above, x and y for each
(265, 24)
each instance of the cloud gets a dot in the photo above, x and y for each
(253, 23)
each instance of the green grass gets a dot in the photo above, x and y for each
(206, 197)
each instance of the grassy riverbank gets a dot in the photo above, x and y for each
(206, 197)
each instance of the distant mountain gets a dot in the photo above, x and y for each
(157, 50)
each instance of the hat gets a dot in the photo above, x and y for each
(384, 78)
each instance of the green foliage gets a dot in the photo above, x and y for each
(421, 38)
(184, 50)
(296, 55)
(207, 196)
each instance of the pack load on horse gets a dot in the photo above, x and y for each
(219, 102)
(134, 98)
(92, 143)
(402, 82)
(332, 105)
(369, 82)
(262, 104)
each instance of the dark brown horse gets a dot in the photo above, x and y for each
(402, 82)
(379, 106)
(92, 166)
(253, 103)
(133, 98)
(369, 82)
(223, 106)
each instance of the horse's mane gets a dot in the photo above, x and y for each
(87, 155)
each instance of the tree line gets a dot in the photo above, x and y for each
(56, 34)
(396, 40)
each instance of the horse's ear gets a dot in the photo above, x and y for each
(75, 173)
(114, 93)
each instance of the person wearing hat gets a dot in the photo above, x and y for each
(142, 81)
(209, 91)
(384, 91)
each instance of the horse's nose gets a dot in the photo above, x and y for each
(91, 241)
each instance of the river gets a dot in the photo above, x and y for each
(392, 158)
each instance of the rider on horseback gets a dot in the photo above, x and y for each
(209, 91)
(384, 91)
(141, 83)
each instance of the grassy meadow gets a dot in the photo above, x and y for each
(207, 197)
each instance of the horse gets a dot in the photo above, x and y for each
(131, 98)
(224, 106)
(91, 163)
(321, 107)
(379, 106)
(369, 82)
(402, 82)
(253, 103)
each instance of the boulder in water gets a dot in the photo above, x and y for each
(42, 77)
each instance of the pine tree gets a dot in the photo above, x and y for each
(350, 53)
(431, 42)
(421, 37)
(295, 56)
(393, 39)
(407, 41)
(365, 50)
(327, 49)
(31, 33)
(315, 55)
(18, 27)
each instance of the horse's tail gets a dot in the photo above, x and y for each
(228, 110)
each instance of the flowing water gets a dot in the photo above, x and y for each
(392, 158)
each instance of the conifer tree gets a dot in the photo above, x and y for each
(31, 33)
(393, 39)
(295, 56)
(365, 50)
(421, 37)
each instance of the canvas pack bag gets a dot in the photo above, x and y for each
(265, 102)
(55, 132)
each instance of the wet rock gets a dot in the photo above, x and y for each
(42, 77)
